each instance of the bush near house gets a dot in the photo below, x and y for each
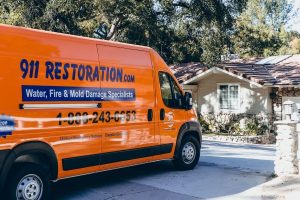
(236, 124)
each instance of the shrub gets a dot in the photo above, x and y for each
(204, 125)
(236, 124)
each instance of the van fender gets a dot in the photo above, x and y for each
(29, 148)
(188, 128)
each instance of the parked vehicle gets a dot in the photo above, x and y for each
(72, 106)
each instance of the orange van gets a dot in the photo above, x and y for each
(72, 106)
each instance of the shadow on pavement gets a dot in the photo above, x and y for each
(67, 187)
(158, 181)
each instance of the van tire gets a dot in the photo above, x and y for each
(29, 180)
(188, 154)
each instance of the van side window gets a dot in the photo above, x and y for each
(170, 92)
(177, 92)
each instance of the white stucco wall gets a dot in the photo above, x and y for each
(253, 100)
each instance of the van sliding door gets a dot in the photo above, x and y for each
(128, 102)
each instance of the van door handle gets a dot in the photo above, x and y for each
(162, 114)
(150, 115)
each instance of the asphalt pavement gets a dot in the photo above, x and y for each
(225, 171)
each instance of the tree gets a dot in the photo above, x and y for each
(22, 13)
(202, 28)
(295, 46)
(260, 29)
(180, 30)
(66, 16)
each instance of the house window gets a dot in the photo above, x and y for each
(229, 96)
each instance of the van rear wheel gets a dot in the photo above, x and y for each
(28, 182)
(188, 155)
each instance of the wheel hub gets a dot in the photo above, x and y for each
(188, 153)
(29, 188)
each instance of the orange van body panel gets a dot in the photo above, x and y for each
(71, 132)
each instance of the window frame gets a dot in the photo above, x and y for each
(219, 96)
(172, 89)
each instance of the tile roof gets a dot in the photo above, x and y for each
(186, 71)
(282, 70)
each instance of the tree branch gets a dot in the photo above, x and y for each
(181, 4)
(113, 28)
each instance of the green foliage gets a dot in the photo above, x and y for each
(295, 46)
(236, 124)
(260, 29)
(66, 16)
(180, 30)
(254, 127)
(204, 124)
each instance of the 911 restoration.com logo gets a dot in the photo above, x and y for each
(170, 118)
(7, 125)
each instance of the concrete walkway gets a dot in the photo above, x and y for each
(246, 157)
(287, 187)
(241, 156)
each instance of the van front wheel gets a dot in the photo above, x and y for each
(28, 182)
(188, 155)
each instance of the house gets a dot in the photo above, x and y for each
(253, 86)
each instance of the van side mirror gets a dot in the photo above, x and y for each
(188, 101)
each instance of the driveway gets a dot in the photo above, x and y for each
(225, 171)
